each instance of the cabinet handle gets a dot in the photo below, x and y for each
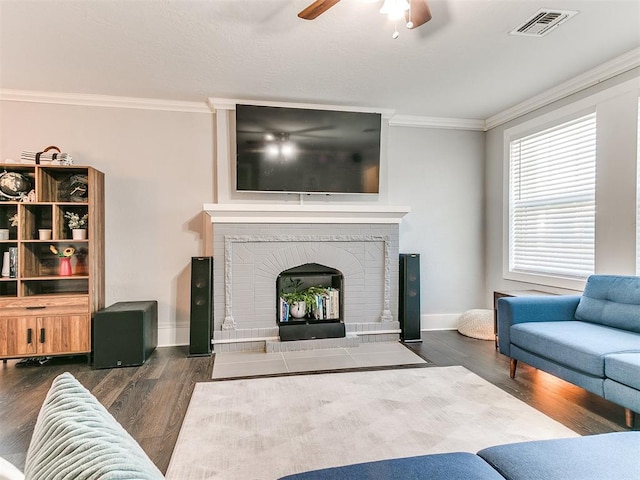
(42, 335)
(36, 307)
(29, 335)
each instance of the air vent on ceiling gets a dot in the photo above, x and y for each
(542, 22)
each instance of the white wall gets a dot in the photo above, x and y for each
(439, 174)
(158, 172)
(616, 103)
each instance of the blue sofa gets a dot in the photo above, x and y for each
(591, 340)
(595, 457)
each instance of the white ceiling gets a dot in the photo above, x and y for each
(461, 64)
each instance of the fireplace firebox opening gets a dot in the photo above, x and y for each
(322, 290)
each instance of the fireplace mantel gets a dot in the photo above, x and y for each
(286, 213)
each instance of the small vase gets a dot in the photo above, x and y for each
(79, 233)
(65, 267)
(298, 309)
(5, 264)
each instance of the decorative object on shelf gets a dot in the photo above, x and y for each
(44, 234)
(4, 234)
(13, 220)
(13, 262)
(30, 197)
(54, 158)
(14, 186)
(5, 264)
(78, 225)
(65, 267)
(81, 261)
(65, 259)
(74, 189)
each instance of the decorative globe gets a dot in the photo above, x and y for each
(13, 184)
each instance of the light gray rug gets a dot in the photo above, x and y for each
(265, 428)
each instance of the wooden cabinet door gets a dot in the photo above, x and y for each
(17, 336)
(64, 334)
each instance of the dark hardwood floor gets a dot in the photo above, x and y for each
(150, 401)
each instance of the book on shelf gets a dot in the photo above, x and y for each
(327, 305)
(284, 310)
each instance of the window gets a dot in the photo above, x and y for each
(552, 200)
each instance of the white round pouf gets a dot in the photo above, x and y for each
(477, 323)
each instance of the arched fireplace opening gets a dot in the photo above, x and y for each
(322, 290)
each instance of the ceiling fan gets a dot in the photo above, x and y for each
(415, 12)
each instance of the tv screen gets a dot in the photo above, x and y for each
(306, 151)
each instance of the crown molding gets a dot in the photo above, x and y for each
(103, 101)
(617, 66)
(436, 122)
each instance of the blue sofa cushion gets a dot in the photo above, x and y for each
(621, 394)
(441, 466)
(624, 368)
(611, 300)
(596, 457)
(578, 345)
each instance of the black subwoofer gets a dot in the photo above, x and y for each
(409, 307)
(125, 334)
(201, 306)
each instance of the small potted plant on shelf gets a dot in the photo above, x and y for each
(78, 225)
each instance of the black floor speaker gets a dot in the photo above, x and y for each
(201, 306)
(409, 308)
(125, 334)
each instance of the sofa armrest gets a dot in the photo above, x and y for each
(513, 310)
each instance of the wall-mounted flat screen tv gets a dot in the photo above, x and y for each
(281, 149)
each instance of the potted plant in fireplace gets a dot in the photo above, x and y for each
(301, 301)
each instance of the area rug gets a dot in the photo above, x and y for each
(265, 428)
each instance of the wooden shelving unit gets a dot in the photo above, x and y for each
(41, 312)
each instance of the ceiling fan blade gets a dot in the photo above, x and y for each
(419, 13)
(316, 9)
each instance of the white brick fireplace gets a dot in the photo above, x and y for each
(253, 244)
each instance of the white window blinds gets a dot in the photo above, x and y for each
(552, 200)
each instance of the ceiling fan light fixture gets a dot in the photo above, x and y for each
(394, 8)
(287, 149)
(272, 150)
